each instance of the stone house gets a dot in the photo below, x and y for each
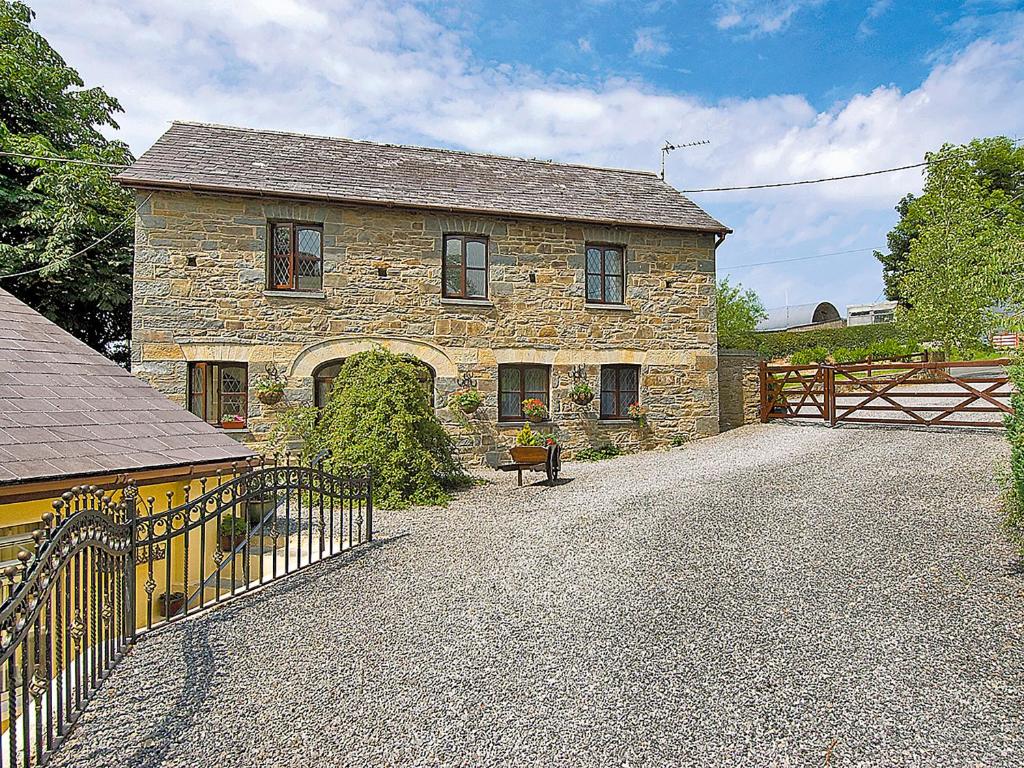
(516, 277)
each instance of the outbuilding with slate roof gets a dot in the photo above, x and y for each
(71, 417)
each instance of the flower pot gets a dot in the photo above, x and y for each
(582, 399)
(232, 425)
(171, 605)
(535, 418)
(228, 543)
(469, 408)
(272, 397)
(529, 454)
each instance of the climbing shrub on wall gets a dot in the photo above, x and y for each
(379, 416)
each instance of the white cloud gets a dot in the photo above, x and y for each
(760, 17)
(585, 45)
(374, 69)
(876, 10)
(649, 43)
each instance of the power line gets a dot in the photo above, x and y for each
(65, 259)
(798, 258)
(55, 159)
(809, 181)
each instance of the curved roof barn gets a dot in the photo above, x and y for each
(799, 315)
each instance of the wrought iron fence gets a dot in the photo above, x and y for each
(108, 566)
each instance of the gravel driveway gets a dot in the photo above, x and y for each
(779, 595)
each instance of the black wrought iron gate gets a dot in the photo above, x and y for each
(108, 566)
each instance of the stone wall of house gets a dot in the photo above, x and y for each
(739, 388)
(200, 279)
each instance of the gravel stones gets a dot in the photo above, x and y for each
(751, 599)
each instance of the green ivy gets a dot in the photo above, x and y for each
(1014, 520)
(379, 416)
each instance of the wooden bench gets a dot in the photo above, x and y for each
(551, 466)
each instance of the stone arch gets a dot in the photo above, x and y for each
(312, 357)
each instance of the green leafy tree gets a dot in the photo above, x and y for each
(997, 164)
(379, 416)
(51, 210)
(959, 278)
(1014, 520)
(739, 312)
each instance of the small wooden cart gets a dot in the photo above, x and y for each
(536, 459)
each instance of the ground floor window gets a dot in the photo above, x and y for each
(518, 382)
(219, 393)
(620, 388)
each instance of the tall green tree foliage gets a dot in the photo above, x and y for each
(960, 278)
(997, 164)
(50, 210)
(739, 312)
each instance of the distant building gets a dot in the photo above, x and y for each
(802, 317)
(868, 314)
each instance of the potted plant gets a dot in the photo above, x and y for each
(637, 412)
(171, 604)
(534, 410)
(466, 400)
(530, 448)
(232, 421)
(232, 530)
(581, 393)
(269, 389)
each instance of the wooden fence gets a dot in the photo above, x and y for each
(974, 393)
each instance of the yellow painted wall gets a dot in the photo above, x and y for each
(200, 552)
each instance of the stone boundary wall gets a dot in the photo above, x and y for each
(739, 388)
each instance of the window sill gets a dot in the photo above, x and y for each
(295, 294)
(242, 431)
(524, 422)
(609, 307)
(483, 303)
(615, 422)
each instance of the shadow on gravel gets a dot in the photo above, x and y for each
(162, 736)
(557, 484)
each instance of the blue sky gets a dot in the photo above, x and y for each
(783, 89)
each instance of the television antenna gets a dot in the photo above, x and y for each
(669, 147)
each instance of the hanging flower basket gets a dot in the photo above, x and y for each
(466, 400)
(637, 413)
(581, 394)
(534, 410)
(270, 396)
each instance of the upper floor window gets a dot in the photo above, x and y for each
(296, 257)
(620, 388)
(606, 274)
(465, 267)
(518, 382)
(219, 393)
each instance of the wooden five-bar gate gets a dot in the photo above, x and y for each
(974, 393)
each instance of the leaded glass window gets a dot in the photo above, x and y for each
(465, 267)
(296, 257)
(606, 274)
(518, 382)
(620, 388)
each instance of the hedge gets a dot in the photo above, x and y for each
(777, 344)
(1014, 519)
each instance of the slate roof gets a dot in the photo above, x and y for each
(66, 410)
(219, 158)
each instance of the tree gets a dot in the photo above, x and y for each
(739, 312)
(996, 163)
(961, 270)
(50, 210)
(379, 416)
